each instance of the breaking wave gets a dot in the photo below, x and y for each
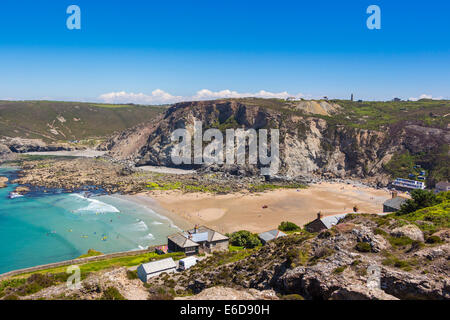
(95, 205)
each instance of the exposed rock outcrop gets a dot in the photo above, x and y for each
(5, 153)
(309, 145)
(410, 231)
(20, 145)
(3, 182)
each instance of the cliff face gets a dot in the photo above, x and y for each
(309, 144)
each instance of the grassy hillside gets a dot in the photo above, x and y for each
(370, 114)
(62, 121)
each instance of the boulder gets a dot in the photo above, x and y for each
(406, 285)
(411, 231)
(22, 190)
(360, 292)
(3, 181)
(365, 234)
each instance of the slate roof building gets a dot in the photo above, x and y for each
(270, 235)
(323, 223)
(152, 269)
(196, 240)
(394, 203)
(442, 186)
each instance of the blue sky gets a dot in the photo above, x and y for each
(164, 51)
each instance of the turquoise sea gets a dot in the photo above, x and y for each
(44, 227)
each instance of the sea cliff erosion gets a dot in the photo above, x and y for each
(329, 140)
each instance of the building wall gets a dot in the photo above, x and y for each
(388, 209)
(315, 226)
(145, 277)
(216, 246)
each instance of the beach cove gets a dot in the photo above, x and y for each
(47, 226)
(259, 212)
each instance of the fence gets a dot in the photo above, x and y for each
(77, 261)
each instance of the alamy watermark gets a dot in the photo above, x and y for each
(374, 20)
(73, 22)
(231, 152)
(74, 280)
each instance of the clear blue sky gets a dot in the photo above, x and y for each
(316, 48)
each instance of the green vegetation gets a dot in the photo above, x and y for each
(432, 218)
(208, 186)
(292, 297)
(420, 199)
(339, 269)
(33, 284)
(297, 257)
(288, 226)
(73, 120)
(244, 239)
(127, 261)
(235, 248)
(392, 260)
(267, 186)
(363, 247)
(377, 114)
(434, 163)
(91, 253)
(111, 293)
(132, 275)
(399, 242)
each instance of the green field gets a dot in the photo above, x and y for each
(66, 121)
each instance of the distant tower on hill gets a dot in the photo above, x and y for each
(351, 97)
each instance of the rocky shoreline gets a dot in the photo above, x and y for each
(118, 177)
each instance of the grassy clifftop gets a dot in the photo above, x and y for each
(62, 121)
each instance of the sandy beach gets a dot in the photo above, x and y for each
(232, 212)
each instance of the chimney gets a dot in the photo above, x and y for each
(319, 215)
(394, 194)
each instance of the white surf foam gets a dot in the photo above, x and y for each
(149, 237)
(140, 226)
(95, 206)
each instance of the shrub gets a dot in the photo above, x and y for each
(132, 275)
(381, 232)
(434, 239)
(400, 241)
(244, 239)
(356, 262)
(292, 297)
(339, 269)
(288, 226)
(363, 247)
(420, 199)
(111, 293)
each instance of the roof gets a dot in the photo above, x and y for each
(395, 202)
(182, 241)
(212, 234)
(159, 265)
(191, 238)
(270, 235)
(189, 259)
(330, 221)
(443, 184)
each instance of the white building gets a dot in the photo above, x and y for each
(152, 269)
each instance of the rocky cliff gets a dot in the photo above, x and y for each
(310, 144)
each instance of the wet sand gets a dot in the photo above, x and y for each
(232, 212)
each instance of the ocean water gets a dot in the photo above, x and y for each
(41, 228)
